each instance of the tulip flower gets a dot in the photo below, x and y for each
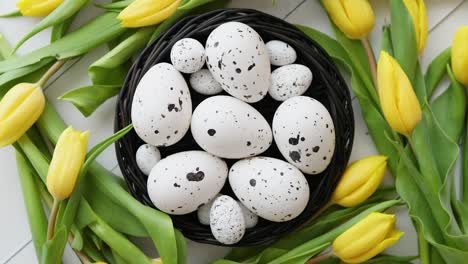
(355, 18)
(20, 108)
(37, 7)
(142, 13)
(460, 55)
(367, 238)
(65, 167)
(360, 180)
(417, 10)
(397, 98)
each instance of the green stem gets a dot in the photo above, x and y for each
(50, 72)
(423, 246)
(52, 219)
(320, 258)
(464, 158)
(32, 201)
(371, 58)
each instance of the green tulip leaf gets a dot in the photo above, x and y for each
(436, 71)
(404, 42)
(87, 99)
(64, 11)
(60, 29)
(387, 259)
(452, 101)
(96, 32)
(386, 42)
(464, 166)
(32, 200)
(118, 259)
(181, 247)
(16, 13)
(302, 257)
(191, 4)
(77, 243)
(116, 6)
(52, 250)
(5, 48)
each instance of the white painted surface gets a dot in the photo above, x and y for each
(445, 16)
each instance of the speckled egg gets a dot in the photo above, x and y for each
(203, 82)
(182, 182)
(230, 128)
(203, 214)
(271, 188)
(281, 53)
(226, 220)
(238, 59)
(304, 133)
(162, 107)
(146, 157)
(188, 55)
(289, 81)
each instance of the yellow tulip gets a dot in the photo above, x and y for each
(156, 261)
(19, 110)
(460, 55)
(397, 98)
(360, 180)
(141, 13)
(417, 10)
(37, 7)
(367, 238)
(100, 262)
(354, 17)
(65, 167)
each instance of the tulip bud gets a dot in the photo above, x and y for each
(360, 180)
(20, 108)
(460, 55)
(142, 13)
(37, 7)
(417, 10)
(367, 238)
(397, 98)
(355, 18)
(65, 167)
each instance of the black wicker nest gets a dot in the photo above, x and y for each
(328, 87)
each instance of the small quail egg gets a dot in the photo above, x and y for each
(188, 55)
(146, 157)
(226, 221)
(281, 53)
(203, 82)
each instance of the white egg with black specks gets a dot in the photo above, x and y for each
(188, 55)
(146, 157)
(181, 183)
(238, 59)
(305, 134)
(226, 220)
(289, 81)
(203, 82)
(161, 107)
(271, 188)
(203, 214)
(281, 53)
(230, 128)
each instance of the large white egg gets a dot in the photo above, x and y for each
(271, 188)
(146, 157)
(289, 81)
(238, 59)
(182, 182)
(304, 133)
(230, 128)
(162, 107)
(226, 220)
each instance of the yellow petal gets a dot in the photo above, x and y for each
(364, 235)
(399, 103)
(360, 181)
(37, 7)
(65, 167)
(460, 55)
(355, 18)
(391, 239)
(153, 19)
(19, 110)
(417, 10)
(143, 8)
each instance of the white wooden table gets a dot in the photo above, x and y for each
(444, 16)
